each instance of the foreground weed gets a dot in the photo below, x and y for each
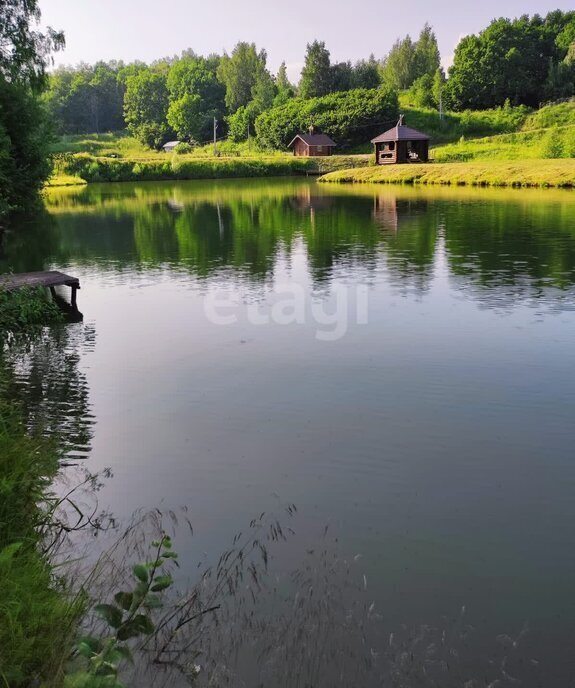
(128, 617)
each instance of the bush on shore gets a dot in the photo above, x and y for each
(93, 169)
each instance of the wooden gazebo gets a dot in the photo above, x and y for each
(401, 144)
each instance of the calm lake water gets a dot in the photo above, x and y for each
(398, 363)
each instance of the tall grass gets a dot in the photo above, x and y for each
(22, 311)
(555, 142)
(470, 123)
(561, 114)
(37, 615)
(252, 619)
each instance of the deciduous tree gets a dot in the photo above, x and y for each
(146, 107)
(24, 57)
(238, 72)
(398, 69)
(316, 76)
(511, 59)
(366, 73)
(24, 50)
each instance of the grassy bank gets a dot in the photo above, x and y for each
(83, 167)
(38, 618)
(502, 134)
(527, 173)
(65, 180)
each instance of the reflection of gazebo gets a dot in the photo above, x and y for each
(401, 144)
(385, 212)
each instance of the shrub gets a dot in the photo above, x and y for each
(350, 117)
(180, 167)
(24, 135)
(421, 92)
(552, 144)
(25, 309)
(183, 148)
(569, 143)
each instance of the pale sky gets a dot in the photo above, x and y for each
(352, 29)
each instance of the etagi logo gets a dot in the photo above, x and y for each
(292, 305)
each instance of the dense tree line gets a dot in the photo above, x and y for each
(181, 97)
(526, 61)
(521, 61)
(24, 132)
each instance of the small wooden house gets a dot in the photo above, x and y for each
(401, 144)
(312, 145)
(169, 147)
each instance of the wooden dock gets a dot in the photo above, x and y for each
(49, 279)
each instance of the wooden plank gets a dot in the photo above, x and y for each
(50, 278)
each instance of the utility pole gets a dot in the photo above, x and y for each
(215, 130)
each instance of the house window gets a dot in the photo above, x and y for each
(392, 145)
(319, 149)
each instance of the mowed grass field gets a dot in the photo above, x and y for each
(526, 173)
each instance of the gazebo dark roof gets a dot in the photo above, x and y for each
(401, 133)
(314, 140)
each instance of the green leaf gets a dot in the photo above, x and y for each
(152, 602)
(140, 589)
(124, 600)
(144, 623)
(110, 613)
(125, 653)
(141, 572)
(127, 631)
(140, 624)
(85, 650)
(170, 555)
(95, 643)
(161, 583)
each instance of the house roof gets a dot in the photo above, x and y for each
(401, 133)
(314, 140)
(170, 144)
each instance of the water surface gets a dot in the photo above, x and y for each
(430, 424)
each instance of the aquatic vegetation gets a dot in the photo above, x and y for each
(22, 310)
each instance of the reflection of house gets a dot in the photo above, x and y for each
(169, 147)
(385, 212)
(401, 144)
(304, 199)
(312, 145)
(174, 205)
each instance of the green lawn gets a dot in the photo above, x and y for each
(536, 172)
